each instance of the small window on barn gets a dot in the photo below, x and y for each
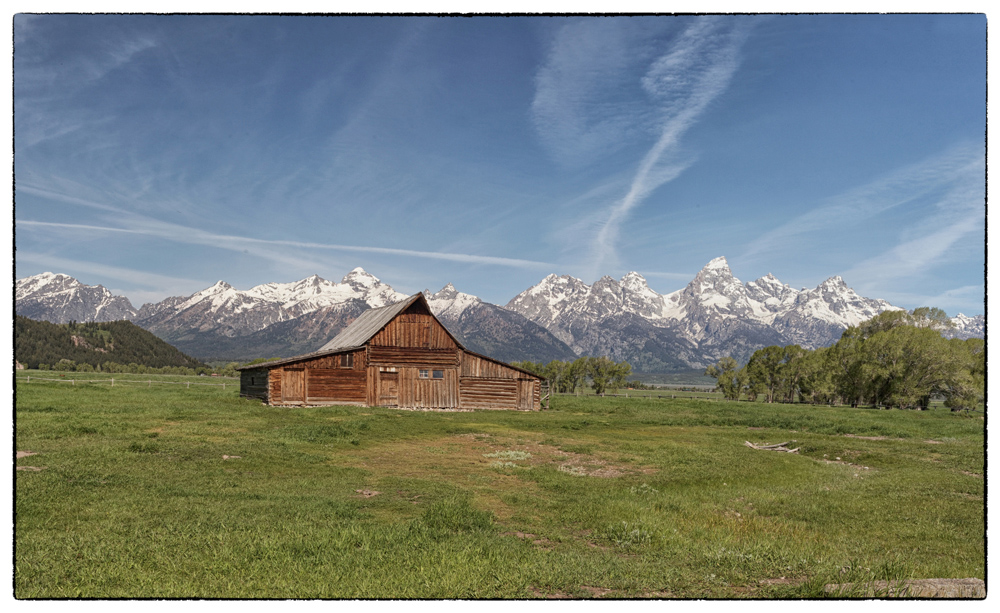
(347, 360)
(424, 373)
(439, 374)
(252, 381)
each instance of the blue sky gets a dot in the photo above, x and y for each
(158, 154)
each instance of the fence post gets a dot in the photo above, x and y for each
(224, 385)
(29, 378)
(112, 381)
(149, 383)
(189, 385)
(73, 381)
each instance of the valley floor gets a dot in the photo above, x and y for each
(193, 492)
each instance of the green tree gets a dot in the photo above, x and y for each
(619, 376)
(764, 371)
(816, 380)
(966, 388)
(600, 371)
(725, 372)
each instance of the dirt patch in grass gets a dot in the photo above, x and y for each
(25, 454)
(873, 438)
(784, 581)
(458, 457)
(596, 592)
(542, 542)
(367, 493)
(539, 593)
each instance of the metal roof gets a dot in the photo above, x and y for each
(298, 358)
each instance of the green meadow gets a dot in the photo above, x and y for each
(173, 491)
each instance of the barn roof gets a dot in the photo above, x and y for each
(298, 358)
(371, 322)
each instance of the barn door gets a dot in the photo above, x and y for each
(388, 389)
(525, 395)
(293, 385)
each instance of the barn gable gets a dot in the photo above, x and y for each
(373, 322)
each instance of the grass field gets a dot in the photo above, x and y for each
(172, 491)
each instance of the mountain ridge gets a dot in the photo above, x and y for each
(559, 317)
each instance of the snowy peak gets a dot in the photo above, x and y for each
(60, 298)
(359, 278)
(449, 303)
(46, 282)
(967, 327)
(718, 263)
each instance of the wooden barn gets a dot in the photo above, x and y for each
(395, 356)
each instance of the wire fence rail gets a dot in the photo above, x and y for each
(133, 382)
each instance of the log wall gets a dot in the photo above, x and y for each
(482, 393)
(475, 366)
(253, 384)
(335, 385)
(413, 356)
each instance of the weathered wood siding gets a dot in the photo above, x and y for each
(483, 393)
(487, 384)
(402, 386)
(411, 329)
(253, 384)
(413, 356)
(330, 385)
(293, 388)
(475, 366)
(325, 380)
(415, 392)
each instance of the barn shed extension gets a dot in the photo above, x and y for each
(395, 356)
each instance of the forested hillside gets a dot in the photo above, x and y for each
(94, 343)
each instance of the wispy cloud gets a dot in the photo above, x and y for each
(46, 76)
(696, 70)
(960, 168)
(916, 256)
(195, 236)
(577, 119)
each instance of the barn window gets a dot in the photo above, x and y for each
(439, 374)
(251, 381)
(347, 360)
(425, 373)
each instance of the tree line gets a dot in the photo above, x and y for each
(566, 377)
(896, 359)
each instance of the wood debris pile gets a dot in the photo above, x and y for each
(776, 447)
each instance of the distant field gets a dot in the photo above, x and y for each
(170, 491)
(133, 380)
(683, 378)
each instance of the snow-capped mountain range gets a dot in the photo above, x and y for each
(561, 317)
(61, 298)
(225, 310)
